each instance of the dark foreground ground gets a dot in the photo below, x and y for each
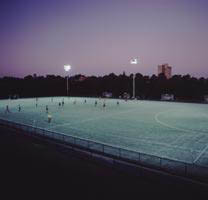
(30, 168)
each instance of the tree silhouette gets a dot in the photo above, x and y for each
(184, 88)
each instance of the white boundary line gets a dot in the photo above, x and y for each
(141, 140)
(156, 117)
(93, 119)
(199, 133)
(169, 126)
(202, 152)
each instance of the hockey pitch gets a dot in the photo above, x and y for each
(177, 131)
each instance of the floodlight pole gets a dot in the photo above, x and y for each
(67, 68)
(133, 62)
(67, 85)
(133, 96)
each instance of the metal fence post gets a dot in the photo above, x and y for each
(99, 148)
(185, 169)
(160, 163)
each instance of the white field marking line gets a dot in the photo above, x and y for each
(93, 119)
(180, 137)
(172, 127)
(202, 152)
(140, 140)
(30, 121)
(124, 136)
(66, 124)
(176, 128)
(40, 112)
(184, 130)
(37, 121)
(144, 140)
(169, 126)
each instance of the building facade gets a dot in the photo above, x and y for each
(165, 69)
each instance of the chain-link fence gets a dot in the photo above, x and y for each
(184, 169)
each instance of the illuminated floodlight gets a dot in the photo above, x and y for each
(134, 61)
(67, 68)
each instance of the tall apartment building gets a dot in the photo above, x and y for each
(165, 69)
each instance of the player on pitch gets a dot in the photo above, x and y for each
(19, 108)
(46, 109)
(95, 102)
(7, 109)
(49, 118)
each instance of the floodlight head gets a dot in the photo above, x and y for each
(67, 68)
(134, 61)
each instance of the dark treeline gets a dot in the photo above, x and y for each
(185, 88)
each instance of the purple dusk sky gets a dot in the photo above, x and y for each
(98, 37)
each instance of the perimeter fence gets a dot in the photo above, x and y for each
(171, 166)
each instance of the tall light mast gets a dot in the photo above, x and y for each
(67, 68)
